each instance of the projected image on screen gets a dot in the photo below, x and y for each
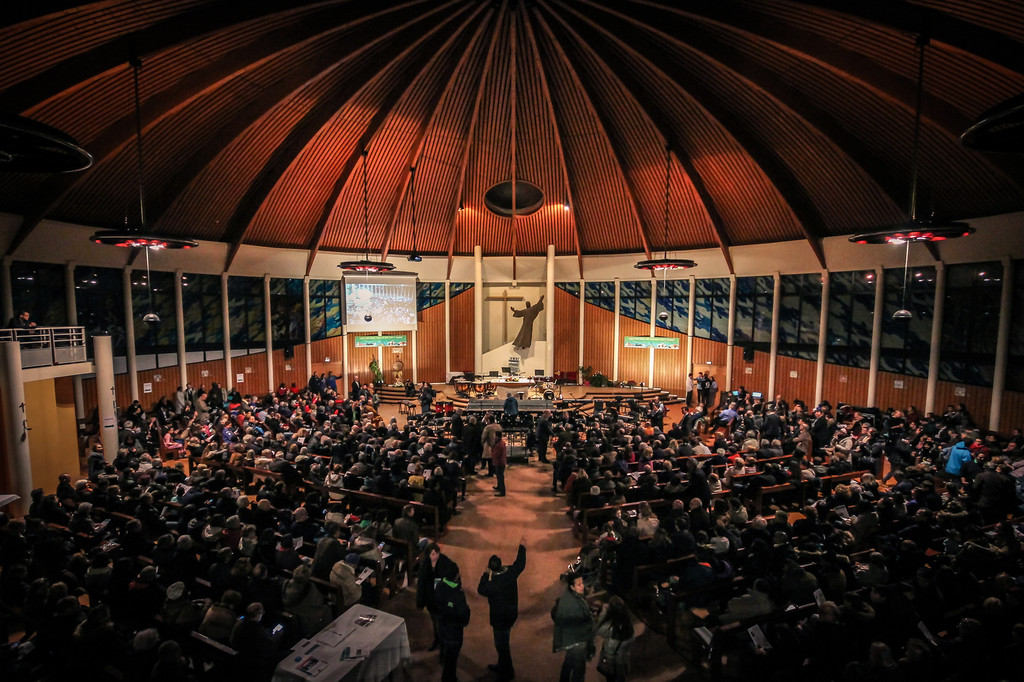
(380, 306)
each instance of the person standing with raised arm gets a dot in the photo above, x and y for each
(499, 585)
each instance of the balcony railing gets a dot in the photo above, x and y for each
(47, 346)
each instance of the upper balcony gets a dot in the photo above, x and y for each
(48, 346)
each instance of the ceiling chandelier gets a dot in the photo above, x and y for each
(140, 238)
(366, 265)
(665, 263)
(917, 229)
(27, 146)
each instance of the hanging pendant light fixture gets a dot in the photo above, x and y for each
(140, 238)
(917, 229)
(415, 256)
(366, 265)
(665, 263)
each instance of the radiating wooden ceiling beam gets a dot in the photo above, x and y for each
(416, 149)
(471, 136)
(553, 122)
(113, 139)
(603, 123)
(785, 183)
(307, 127)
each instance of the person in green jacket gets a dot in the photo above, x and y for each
(574, 630)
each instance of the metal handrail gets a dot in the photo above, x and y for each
(48, 346)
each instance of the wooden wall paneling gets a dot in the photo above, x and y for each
(978, 400)
(757, 379)
(566, 334)
(332, 348)
(599, 325)
(670, 365)
(429, 344)
(844, 384)
(398, 353)
(292, 370)
(359, 360)
(634, 363)
(254, 369)
(913, 392)
(1012, 416)
(800, 387)
(705, 350)
(462, 323)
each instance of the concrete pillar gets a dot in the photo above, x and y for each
(179, 321)
(308, 335)
(689, 327)
(478, 309)
(583, 318)
(934, 356)
(615, 333)
(268, 326)
(731, 338)
(447, 335)
(549, 313)
(654, 331)
(415, 358)
(1002, 346)
(19, 461)
(6, 288)
(129, 335)
(819, 370)
(225, 316)
(876, 337)
(773, 354)
(72, 310)
(106, 394)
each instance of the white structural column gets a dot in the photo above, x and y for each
(549, 313)
(447, 336)
(731, 337)
(773, 353)
(72, 310)
(654, 330)
(19, 461)
(615, 332)
(179, 320)
(478, 309)
(268, 326)
(583, 318)
(689, 328)
(225, 317)
(414, 358)
(308, 335)
(344, 358)
(106, 394)
(129, 336)
(876, 337)
(934, 356)
(6, 292)
(819, 370)
(1002, 346)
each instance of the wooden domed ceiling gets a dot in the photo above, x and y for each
(785, 120)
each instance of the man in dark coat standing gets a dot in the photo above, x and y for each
(432, 569)
(452, 619)
(499, 584)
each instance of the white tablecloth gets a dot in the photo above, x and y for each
(377, 643)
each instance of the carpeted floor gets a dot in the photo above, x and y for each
(493, 525)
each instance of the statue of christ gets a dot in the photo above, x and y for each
(524, 339)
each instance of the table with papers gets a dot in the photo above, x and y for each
(361, 645)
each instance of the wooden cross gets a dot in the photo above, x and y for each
(504, 298)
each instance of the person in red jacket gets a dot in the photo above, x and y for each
(499, 459)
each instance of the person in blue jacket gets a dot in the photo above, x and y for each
(959, 455)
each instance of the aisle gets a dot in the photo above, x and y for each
(493, 525)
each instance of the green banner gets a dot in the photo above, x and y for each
(652, 342)
(371, 341)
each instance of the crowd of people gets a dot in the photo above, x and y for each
(119, 567)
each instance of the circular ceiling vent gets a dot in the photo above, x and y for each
(528, 198)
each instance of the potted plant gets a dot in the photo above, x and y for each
(378, 376)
